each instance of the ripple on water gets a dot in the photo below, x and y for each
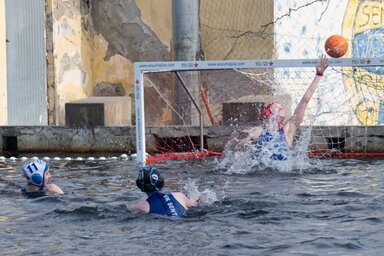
(333, 208)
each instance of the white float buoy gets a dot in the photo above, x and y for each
(124, 156)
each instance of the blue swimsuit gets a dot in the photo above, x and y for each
(39, 193)
(279, 144)
(165, 204)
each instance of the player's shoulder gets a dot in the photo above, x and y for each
(178, 194)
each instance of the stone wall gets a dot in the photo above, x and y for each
(20, 140)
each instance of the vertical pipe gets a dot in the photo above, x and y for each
(185, 28)
(185, 43)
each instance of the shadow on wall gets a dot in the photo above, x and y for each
(124, 19)
(105, 89)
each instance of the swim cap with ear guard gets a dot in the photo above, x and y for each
(34, 172)
(149, 179)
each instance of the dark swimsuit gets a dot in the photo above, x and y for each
(35, 194)
(165, 204)
(278, 144)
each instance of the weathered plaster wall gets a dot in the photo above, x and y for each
(141, 31)
(119, 23)
(70, 76)
(3, 67)
(158, 15)
(95, 43)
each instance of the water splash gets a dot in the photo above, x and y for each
(258, 159)
(207, 197)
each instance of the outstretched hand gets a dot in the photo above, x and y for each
(322, 65)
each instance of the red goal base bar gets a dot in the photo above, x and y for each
(172, 156)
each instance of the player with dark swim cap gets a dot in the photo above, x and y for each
(37, 174)
(151, 182)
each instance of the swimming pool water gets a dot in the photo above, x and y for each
(334, 209)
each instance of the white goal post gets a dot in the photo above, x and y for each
(142, 68)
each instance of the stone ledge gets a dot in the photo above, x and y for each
(41, 139)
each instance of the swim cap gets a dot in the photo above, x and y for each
(34, 172)
(149, 179)
(267, 111)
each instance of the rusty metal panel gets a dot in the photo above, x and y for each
(26, 62)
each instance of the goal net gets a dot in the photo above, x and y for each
(195, 106)
(261, 51)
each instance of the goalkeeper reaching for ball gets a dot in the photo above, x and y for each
(277, 132)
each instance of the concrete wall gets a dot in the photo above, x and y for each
(157, 15)
(353, 139)
(3, 67)
(91, 47)
(67, 140)
(94, 43)
(70, 77)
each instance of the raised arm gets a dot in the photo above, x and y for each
(294, 122)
